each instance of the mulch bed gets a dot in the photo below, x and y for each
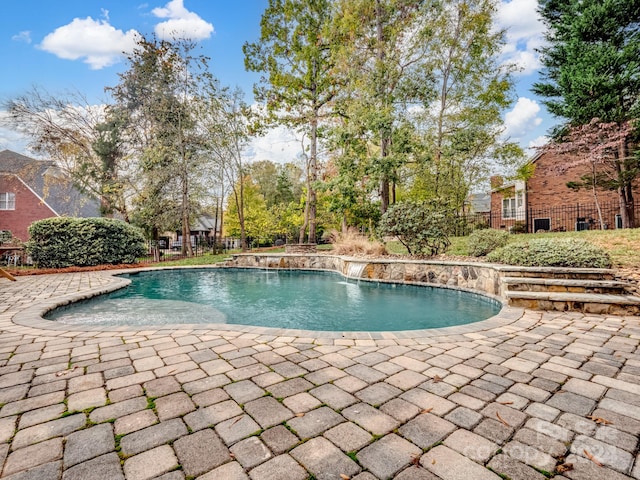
(19, 272)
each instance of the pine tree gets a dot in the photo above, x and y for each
(591, 76)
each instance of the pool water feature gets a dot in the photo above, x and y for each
(276, 298)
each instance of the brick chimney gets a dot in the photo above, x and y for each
(496, 181)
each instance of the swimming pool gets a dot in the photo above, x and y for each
(276, 298)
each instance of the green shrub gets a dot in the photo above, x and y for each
(519, 227)
(63, 242)
(481, 242)
(552, 252)
(422, 228)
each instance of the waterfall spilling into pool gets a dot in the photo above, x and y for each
(287, 299)
(355, 269)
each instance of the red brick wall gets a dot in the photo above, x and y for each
(548, 185)
(29, 208)
(496, 208)
(548, 196)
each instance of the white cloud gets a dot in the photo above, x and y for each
(181, 23)
(279, 144)
(538, 141)
(9, 138)
(96, 41)
(24, 36)
(522, 118)
(527, 62)
(524, 33)
(532, 148)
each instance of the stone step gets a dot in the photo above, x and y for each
(564, 285)
(580, 302)
(557, 272)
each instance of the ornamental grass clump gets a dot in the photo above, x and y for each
(483, 242)
(354, 243)
(552, 252)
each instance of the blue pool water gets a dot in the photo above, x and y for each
(282, 299)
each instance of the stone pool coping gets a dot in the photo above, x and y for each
(511, 318)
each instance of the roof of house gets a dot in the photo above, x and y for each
(479, 202)
(51, 184)
(204, 223)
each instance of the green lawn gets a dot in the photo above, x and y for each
(622, 245)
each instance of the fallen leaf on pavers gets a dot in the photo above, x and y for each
(506, 403)
(415, 460)
(592, 458)
(600, 420)
(502, 419)
(235, 421)
(427, 410)
(299, 414)
(64, 372)
(433, 462)
(565, 467)
(344, 477)
(437, 379)
(172, 371)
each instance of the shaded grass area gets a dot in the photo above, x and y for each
(622, 245)
(206, 259)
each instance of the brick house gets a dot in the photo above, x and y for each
(544, 202)
(32, 190)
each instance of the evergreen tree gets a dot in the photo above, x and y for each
(591, 77)
(294, 52)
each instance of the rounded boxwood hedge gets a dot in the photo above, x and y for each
(552, 252)
(482, 242)
(64, 242)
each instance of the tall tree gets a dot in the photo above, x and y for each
(160, 93)
(81, 138)
(265, 174)
(256, 222)
(460, 121)
(294, 53)
(383, 42)
(227, 123)
(592, 71)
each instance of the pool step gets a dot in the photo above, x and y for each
(577, 302)
(559, 285)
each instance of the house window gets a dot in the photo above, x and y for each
(508, 208)
(7, 201)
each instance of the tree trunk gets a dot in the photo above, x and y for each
(154, 244)
(305, 223)
(595, 196)
(381, 87)
(240, 207)
(625, 195)
(186, 227)
(215, 228)
(313, 173)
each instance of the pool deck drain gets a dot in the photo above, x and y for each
(524, 395)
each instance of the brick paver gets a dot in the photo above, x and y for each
(515, 399)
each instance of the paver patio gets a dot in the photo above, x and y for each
(534, 395)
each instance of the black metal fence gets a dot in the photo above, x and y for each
(565, 218)
(168, 253)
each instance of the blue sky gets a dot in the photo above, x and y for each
(77, 45)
